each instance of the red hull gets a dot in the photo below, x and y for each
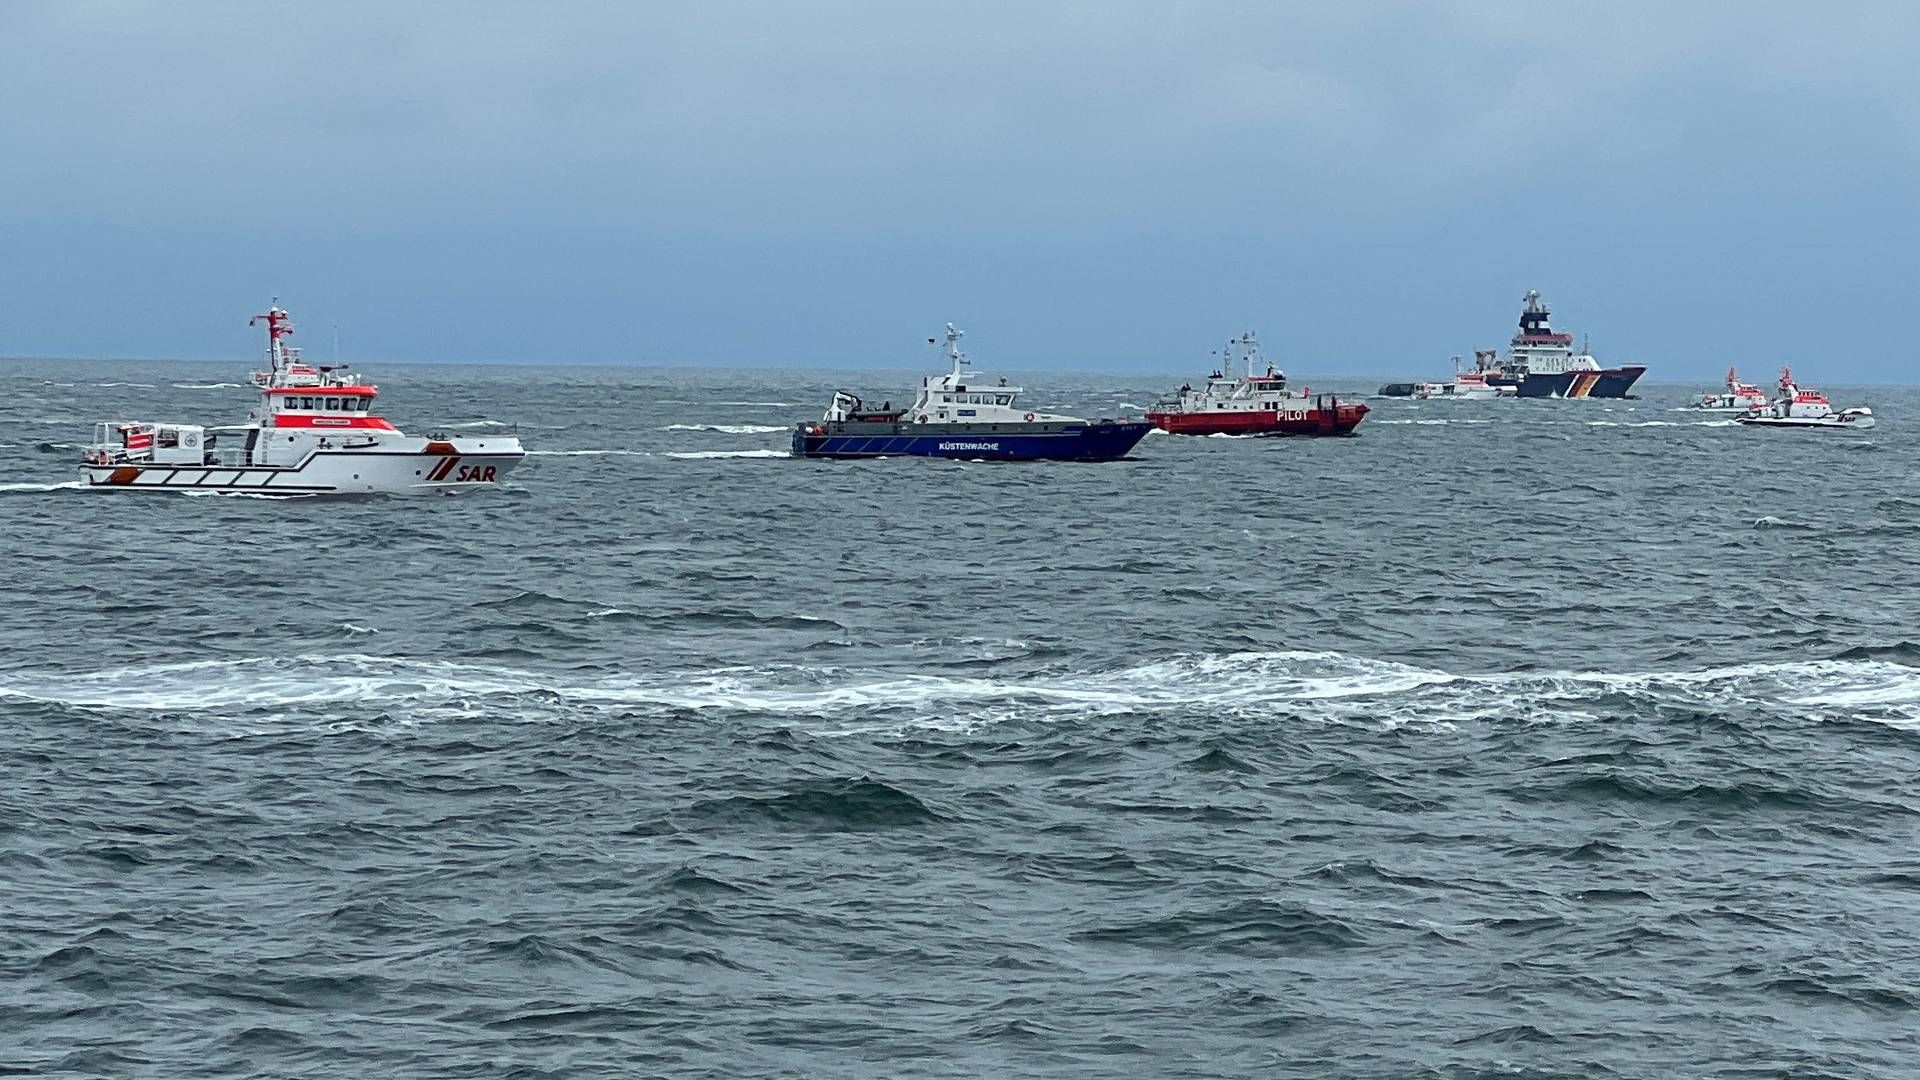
(1337, 420)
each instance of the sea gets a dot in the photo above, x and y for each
(1506, 739)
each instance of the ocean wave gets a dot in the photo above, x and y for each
(1326, 686)
(246, 495)
(729, 429)
(205, 386)
(479, 424)
(836, 806)
(749, 404)
(63, 485)
(589, 453)
(701, 454)
(1661, 423)
(134, 385)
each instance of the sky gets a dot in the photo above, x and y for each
(1081, 186)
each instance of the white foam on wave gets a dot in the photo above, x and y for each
(135, 385)
(705, 454)
(588, 453)
(479, 424)
(355, 628)
(728, 429)
(206, 386)
(1439, 422)
(63, 485)
(1158, 431)
(246, 495)
(1256, 687)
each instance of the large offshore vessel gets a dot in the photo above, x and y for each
(1540, 363)
(1258, 403)
(313, 433)
(955, 416)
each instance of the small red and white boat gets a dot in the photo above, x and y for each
(1466, 386)
(1739, 397)
(1255, 404)
(313, 433)
(1798, 407)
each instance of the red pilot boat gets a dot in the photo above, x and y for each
(1255, 404)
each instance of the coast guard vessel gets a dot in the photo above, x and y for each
(314, 432)
(955, 416)
(1797, 407)
(1256, 404)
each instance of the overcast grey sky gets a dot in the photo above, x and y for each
(1080, 185)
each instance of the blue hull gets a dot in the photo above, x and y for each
(1105, 441)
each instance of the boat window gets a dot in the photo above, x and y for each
(306, 403)
(1004, 399)
(333, 404)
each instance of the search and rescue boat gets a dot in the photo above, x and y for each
(1798, 407)
(313, 433)
(1739, 397)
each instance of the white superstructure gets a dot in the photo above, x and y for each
(1537, 349)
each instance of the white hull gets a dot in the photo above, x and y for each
(1841, 422)
(323, 472)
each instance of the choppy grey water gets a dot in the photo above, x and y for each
(1508, 739)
